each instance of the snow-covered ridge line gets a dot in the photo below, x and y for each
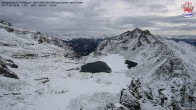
(36, 35)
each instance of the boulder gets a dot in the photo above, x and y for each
(10, 63)
(112, 106)
(4, 71)
(129, 101)
(136, 88)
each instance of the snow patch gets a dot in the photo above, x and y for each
(115, 62)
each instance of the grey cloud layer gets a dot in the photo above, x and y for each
(88, 18)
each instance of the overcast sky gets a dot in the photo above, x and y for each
(161, 17)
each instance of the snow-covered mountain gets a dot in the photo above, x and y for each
(165, 76)
(39, 71)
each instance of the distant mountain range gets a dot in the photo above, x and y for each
(187, 40)
(83, 46)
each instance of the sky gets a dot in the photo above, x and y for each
(98, 17)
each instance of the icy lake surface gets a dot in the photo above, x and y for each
(115, 62)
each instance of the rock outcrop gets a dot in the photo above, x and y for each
(4, 71)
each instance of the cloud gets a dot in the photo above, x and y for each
(102, 17)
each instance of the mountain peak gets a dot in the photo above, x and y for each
(137, 30)
(147, 32)
(5, 23)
